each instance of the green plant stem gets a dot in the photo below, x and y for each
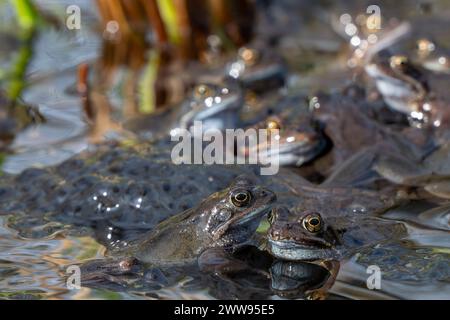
(27, 14)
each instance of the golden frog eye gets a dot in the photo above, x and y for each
(202, 91)
(398, 61)
(241, 198)
(273, 125)
(249, 56)
(313, 222)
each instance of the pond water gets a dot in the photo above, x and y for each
(36, 268)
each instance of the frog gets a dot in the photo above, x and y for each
(217, 97)
(225, 220)
(300, 137)
(215, 103)
(312, 236)
(303, 234)
(257, 68)
(323, 224)
(424, 43)
(409, 88)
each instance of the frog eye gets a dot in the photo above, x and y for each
(249, 56)
(202, 91)
(273, 125)
(313, 222)
(398, 61)
(241, 198)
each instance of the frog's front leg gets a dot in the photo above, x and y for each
(321, 293)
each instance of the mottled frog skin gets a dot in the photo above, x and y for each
(225, 219)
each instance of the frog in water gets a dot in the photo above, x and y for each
(215, 104)
(306, 235)
(225, 220)
(300, 137)
(257, 69)
(410, 89)
(218, 100)
(323, 224)
(425, 43)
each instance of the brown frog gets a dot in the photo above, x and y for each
(410, 89)
(224, 221)
(299, 136)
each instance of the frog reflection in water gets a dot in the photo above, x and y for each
(296, 279)
(226, 219)
(216, 105)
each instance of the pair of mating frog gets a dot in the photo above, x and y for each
(310, 224)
